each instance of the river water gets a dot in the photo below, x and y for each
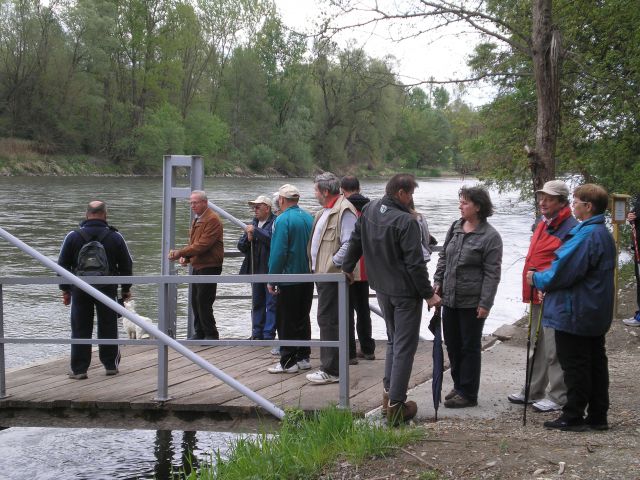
(41, 210)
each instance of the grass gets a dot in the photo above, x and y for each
(304, 447)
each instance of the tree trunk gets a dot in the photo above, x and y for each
(546, 43)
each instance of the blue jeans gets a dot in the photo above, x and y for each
(263, 313)
(463, 336)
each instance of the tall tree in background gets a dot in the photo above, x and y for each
(540, 43)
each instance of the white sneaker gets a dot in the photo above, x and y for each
(546, 405)
(304, 364)
(631, 322)
(275, 351)
(278, 368)
(321, 377)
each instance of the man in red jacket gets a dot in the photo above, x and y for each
(551, 232)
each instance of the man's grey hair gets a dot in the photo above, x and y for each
(328, 182)
(200, 194)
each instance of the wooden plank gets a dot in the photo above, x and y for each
(192, 389)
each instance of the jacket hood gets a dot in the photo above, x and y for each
(358, 201)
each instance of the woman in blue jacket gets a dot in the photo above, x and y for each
(578, 304)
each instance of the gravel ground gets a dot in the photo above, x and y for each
(476, 447)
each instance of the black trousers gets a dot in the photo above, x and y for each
(82, 311)
(293, 304)
(202, 297)
(463, 336)
(359, 304)
(586, 373)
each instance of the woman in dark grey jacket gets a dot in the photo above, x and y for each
(467, 278)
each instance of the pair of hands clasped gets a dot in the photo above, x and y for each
(66, 297)
(481, 312)
(173, 256)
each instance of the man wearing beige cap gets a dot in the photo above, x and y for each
(291, 232)
(551, 232)
(255, 243)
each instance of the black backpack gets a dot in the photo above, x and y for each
(92, 257)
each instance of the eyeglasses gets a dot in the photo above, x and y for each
(256, 207)
(196, 202)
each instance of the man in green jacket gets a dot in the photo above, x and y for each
(288, 254)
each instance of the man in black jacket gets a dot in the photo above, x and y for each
(389, 237)
(95, 227)
(255, 243)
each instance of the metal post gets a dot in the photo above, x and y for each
(3, 385)
(343, 328)
(162, 394)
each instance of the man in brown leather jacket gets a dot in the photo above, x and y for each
(205, 253)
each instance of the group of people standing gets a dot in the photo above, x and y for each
(385, 245)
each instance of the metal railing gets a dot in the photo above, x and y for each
(163, 334)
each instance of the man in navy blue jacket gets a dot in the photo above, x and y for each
(255, 243)
(578, 305)
(82, 304)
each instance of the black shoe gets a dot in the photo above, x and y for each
(196, 336)
(596, 424)
(353, 361)
(458, 401)
(211, 337)
(566, 424)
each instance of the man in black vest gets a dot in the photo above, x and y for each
(82, 304)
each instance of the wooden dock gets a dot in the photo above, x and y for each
(42, 395)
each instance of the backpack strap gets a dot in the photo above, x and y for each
(87, 238)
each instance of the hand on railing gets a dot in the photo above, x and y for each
(66, 298)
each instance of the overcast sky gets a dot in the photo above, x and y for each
(419, 59)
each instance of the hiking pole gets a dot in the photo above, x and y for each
(527, 380)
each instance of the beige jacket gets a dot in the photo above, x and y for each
(330, 238)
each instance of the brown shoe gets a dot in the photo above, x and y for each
(458, 401)
(450, 395)
(399, 412)
(385, 402)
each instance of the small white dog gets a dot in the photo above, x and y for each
(133, 330)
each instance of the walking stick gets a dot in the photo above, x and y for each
(527, 380)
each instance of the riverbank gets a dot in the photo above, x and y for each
(21, 158)
(489, 442)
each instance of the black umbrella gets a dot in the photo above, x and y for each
(435, 325)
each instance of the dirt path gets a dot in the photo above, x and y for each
(501, 448)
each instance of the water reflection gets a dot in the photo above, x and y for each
(164, 453)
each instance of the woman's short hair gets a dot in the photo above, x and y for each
(479, 196)
(401, 181)
(594, 194)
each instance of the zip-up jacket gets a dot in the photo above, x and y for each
(205, 247)
(359, 201)
(291, 232)
(579, 284)
(389, 237)
(545, 241)
(261, 247)
(469, 266)
(120, 262)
